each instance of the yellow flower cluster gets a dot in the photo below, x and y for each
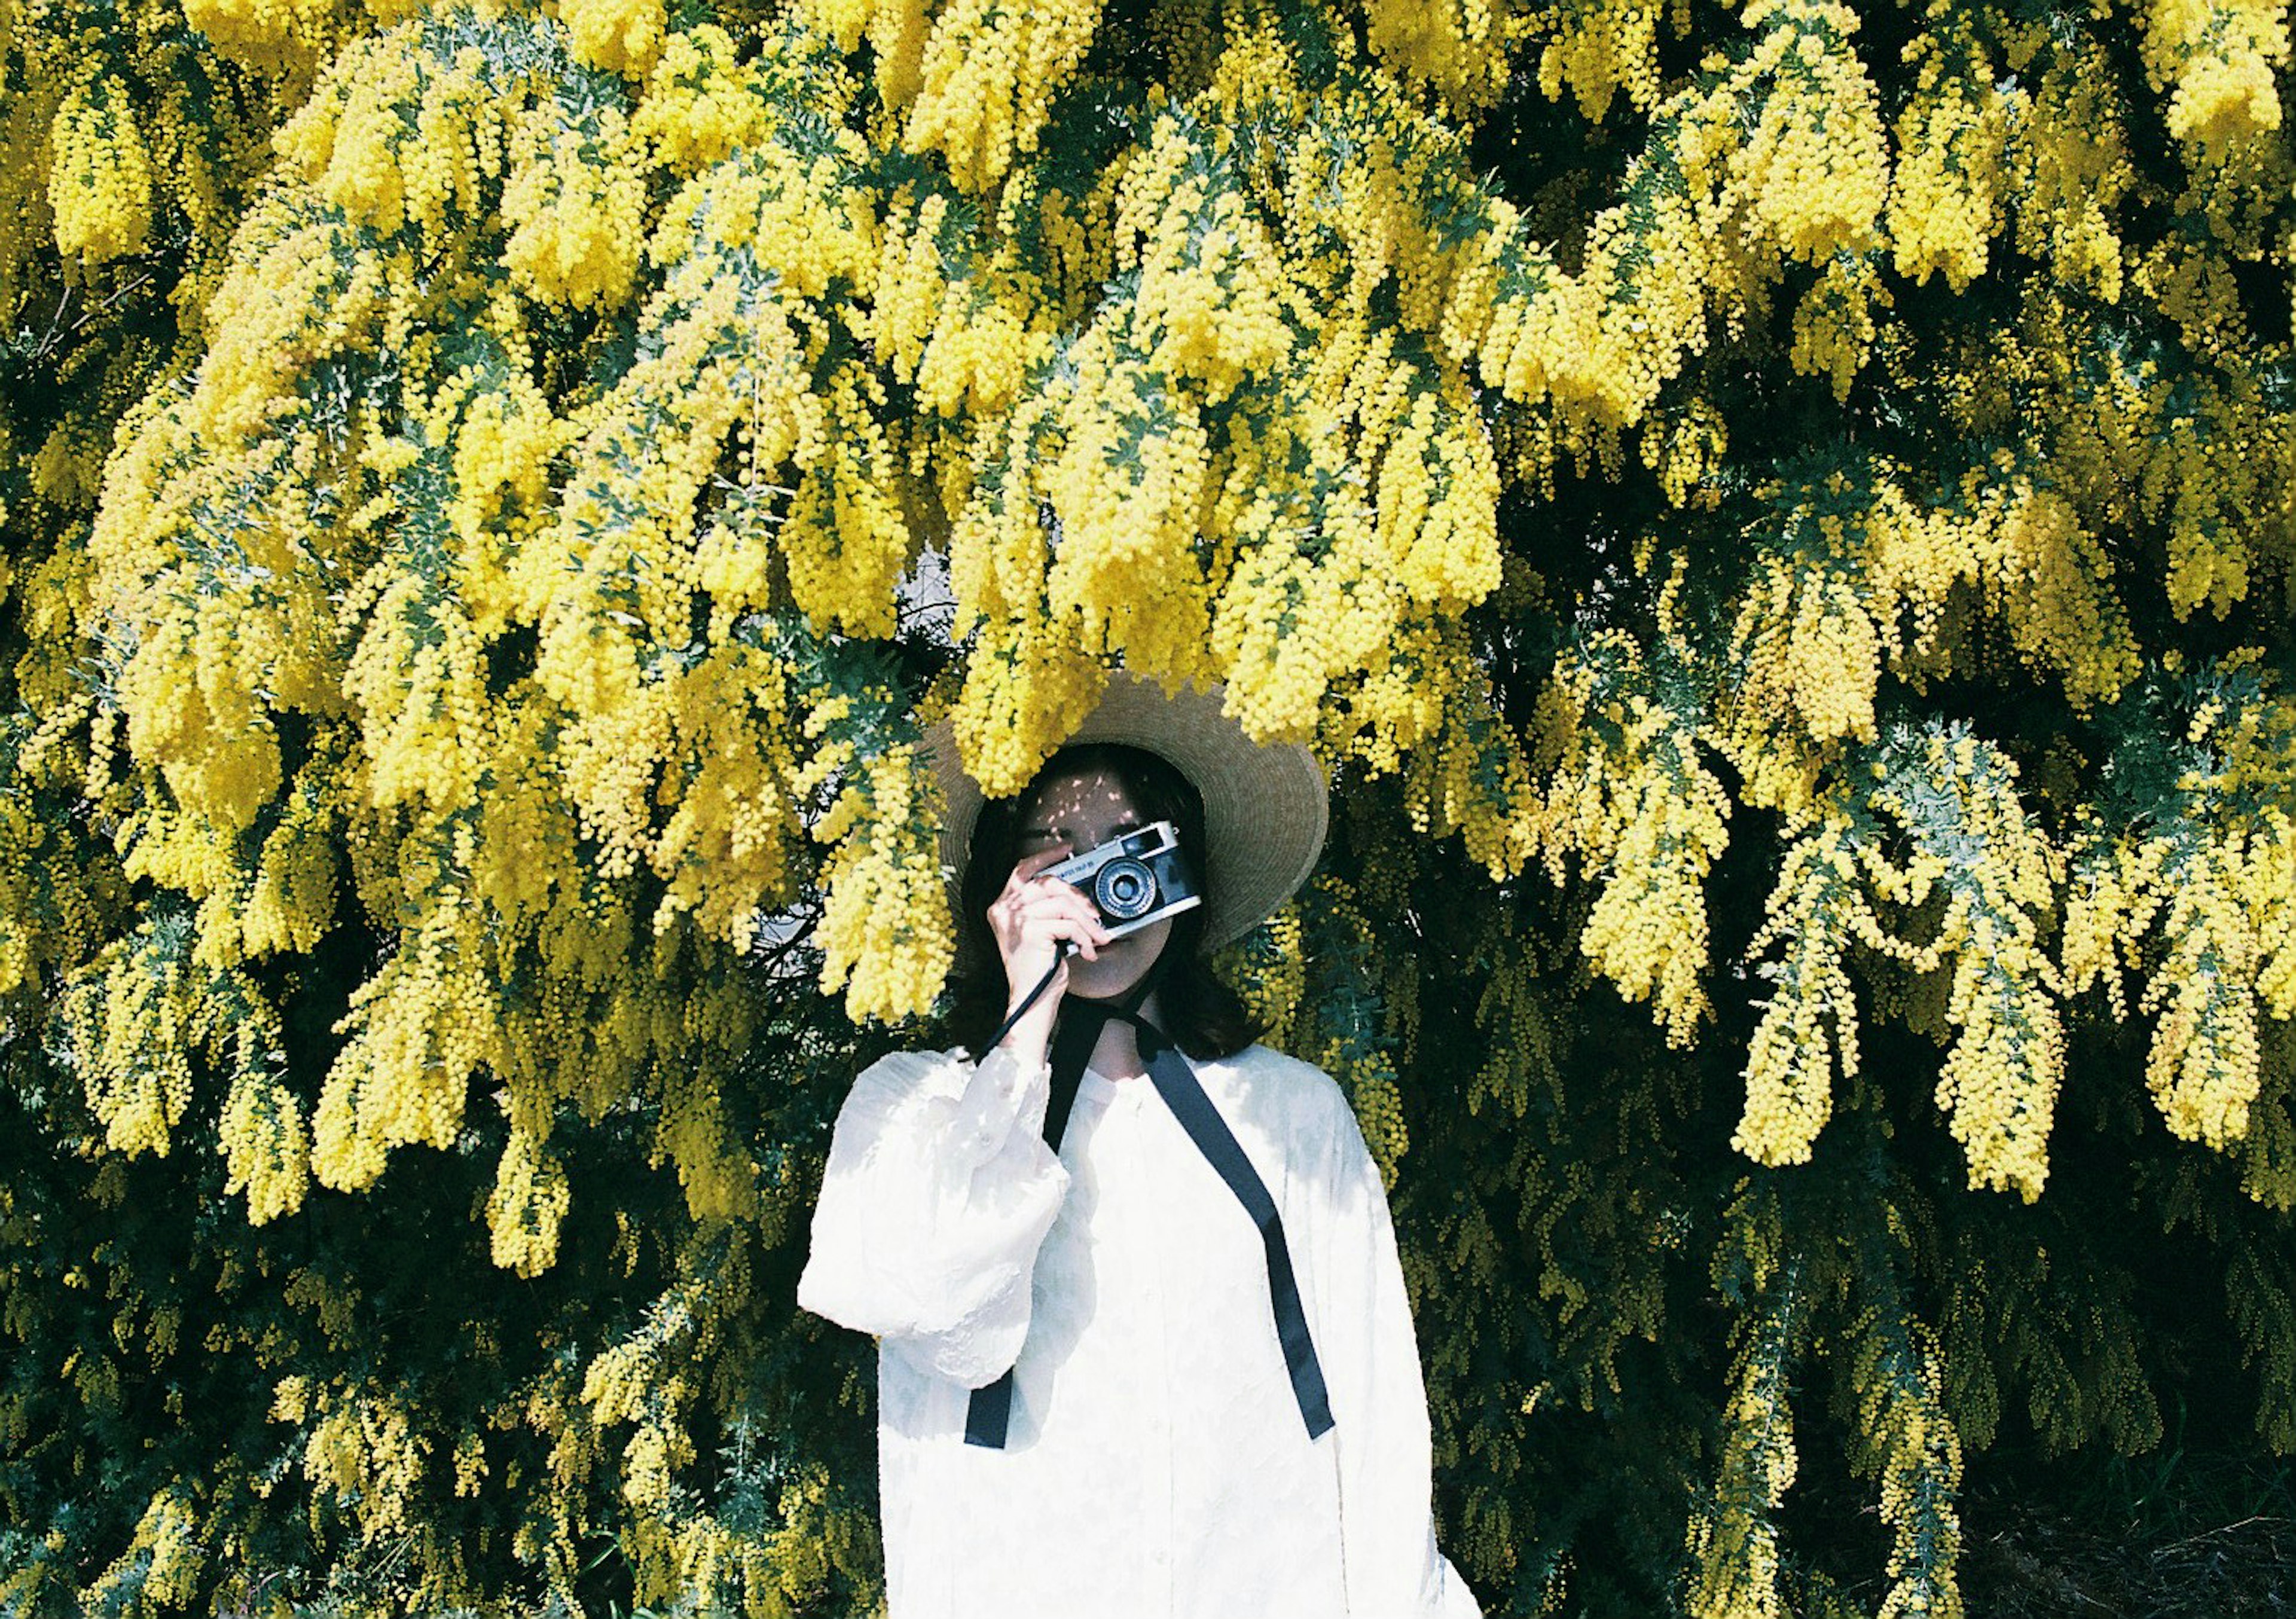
(1460, 46)
(54, 913)
(1710, 214)
(1626, 793)
(21, 834)
(629, 1381)
(1518, 1024)
(418, 1030)
(1369, 1078)
(716, 1174)
(1424, 708)
(577, 189)
(1269, 971)
(2133, 446)
(267, 1148)
(112, 142)
(805, 219)
(1436, 494)
(1209, 303)
(163, 1562)
(2218, 60)
(1810, 661)
(351, 138)
(1288, 625)
(501, 437)
(1024, 689)
(2043, 574)
(724, 851)
(1906, 1430)
(1685, 450)
(2002, 1074)
(303, 470)
(371, 1455)
(886, 934)
(845, 540)
(2202, 903)
(1808, 1027)
(1833, 322)
(419, 679)
(1812, 640)
(1598, 51)
(282, 36)
(141, 1017)
(620, 36)
(2205, 1066)
(896, 30)
(1732, 1544)
(1952, 144)
(2069, 161)
(132, 1022)
(1814, 170)
(100, 186)
(1534, 332)
(527, 1205)
(1127, 492)
(963, 340)
(699, 103)
(219, 757)
(987, 76)
(2112, 899)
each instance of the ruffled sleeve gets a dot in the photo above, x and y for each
(939, 1191)
(1379, 1403)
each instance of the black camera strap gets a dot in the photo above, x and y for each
(1081, 1025)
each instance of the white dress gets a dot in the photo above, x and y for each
(1157, 1463)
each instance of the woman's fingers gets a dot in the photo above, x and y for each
(1024, 881)
(1077, 933)
(1054, 898)
(1029, 896)
(1048, 917)
(1029, 865)
(1034, 904)
(1036, 912)
(1080, 924)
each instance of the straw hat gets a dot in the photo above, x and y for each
(1265, 809)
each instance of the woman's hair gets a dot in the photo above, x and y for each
(1202, 1016)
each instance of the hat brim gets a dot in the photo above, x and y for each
(1266, 808)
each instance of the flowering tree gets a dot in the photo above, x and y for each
(1778, 518)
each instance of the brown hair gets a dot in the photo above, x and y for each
(1202, 1016)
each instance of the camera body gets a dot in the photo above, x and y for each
(1134, 879)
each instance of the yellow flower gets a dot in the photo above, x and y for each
(578, 196)
(100, 186)
(620, 35)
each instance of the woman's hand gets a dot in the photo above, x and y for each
(1030, 919)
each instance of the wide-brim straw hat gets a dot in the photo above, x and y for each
(1266, 808)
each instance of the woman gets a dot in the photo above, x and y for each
(1144, 1346)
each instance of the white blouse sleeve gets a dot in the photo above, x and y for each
(1379, 1404)
(939, 1191)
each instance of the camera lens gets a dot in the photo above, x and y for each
(1123, 889)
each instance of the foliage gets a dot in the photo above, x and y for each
(1777, 517)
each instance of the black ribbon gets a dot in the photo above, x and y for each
(990, 1413)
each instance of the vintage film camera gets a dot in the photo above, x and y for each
(1133, 879)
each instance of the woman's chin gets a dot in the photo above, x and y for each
(1104, 979)
(1122, 964)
